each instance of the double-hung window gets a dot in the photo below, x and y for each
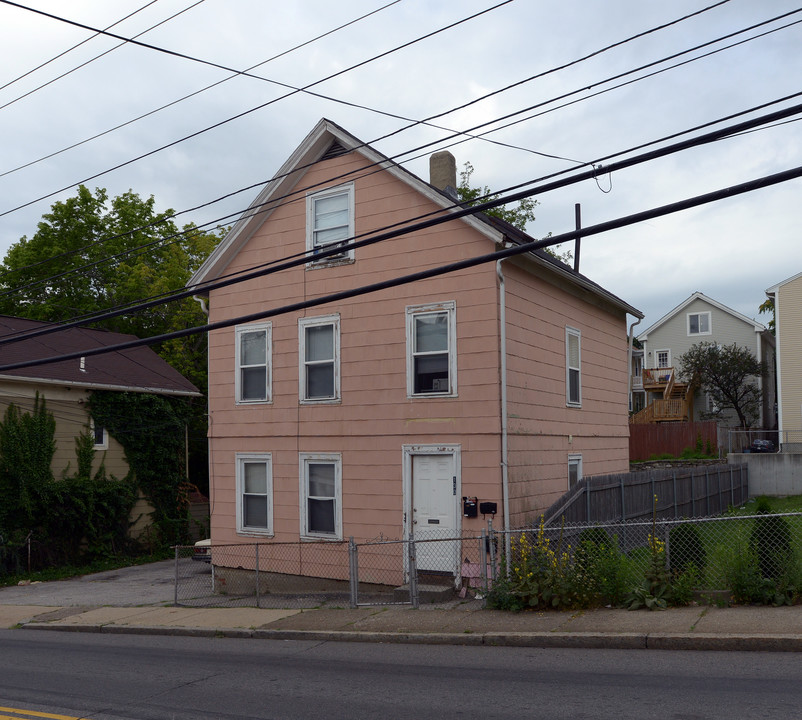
(574, 470)
(573, 367)
(431, 350)
(100, 436)
(254, 493)
(330, 223)
(699, 323)
(253, 381)
(321, 482)
(319, 359)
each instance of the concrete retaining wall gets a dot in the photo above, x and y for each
(773, 474)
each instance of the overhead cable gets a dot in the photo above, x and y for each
(305, 88)
(449, 215)
(438, 142)
(197, 92)
(97, 57)
(697, 201)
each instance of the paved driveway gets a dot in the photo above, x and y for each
(152, 584)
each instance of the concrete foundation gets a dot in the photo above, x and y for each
(772, 474)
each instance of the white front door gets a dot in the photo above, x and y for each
(434, 510)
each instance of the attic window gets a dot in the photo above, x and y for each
(330, 223)
(699, 323)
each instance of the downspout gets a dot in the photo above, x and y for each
(629, 356)
(202, 302)
(760, 379)
(505, 489)
(205, 310)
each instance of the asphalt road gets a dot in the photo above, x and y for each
(143, 677)
(151, 584)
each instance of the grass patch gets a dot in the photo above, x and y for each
(792, 503)
(64, 573)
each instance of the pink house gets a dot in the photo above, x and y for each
(392, 412)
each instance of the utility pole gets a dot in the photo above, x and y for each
(578, 242)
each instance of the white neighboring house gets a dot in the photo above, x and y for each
(700, 319)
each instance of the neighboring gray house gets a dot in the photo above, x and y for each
(697, 319)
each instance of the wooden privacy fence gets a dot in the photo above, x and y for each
(647, 440)
(690, 492)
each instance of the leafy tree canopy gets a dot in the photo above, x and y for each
(519, 215)
(767, 307)
(729, 375)
(91, 253)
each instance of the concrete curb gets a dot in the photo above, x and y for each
(576, 640)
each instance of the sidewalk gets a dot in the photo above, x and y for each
(456, 623)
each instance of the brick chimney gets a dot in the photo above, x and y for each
(443, 172)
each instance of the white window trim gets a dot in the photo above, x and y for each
(709, 323)
(449, 307)
(240, 329)
(304, 323)
(574, 459)
(241, 459)
(303, 462)
(657, 357)
(310, 225)
(104, 445)
(569, 333)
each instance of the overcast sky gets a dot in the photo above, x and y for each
(731, 250)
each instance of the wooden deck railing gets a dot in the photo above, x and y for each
(657, 376)
(662, 411)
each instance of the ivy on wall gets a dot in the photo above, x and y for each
(85, 515)
(151, 430)
(47, 522)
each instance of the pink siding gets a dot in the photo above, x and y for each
(543, 430)
(375, 419)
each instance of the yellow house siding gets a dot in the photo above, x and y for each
(789, 329)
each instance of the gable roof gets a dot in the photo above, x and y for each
(134, 370)
(327, 139)
(758, 327)
(774, 288)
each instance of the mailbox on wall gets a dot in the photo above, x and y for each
(488, 508)
(469, 507)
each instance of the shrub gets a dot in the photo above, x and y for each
(686, 548)
(771, 542)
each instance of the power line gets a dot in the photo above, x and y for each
(555, 184)
(97, 57)
(634, 80)
(74, 47)
(696, 201)
(236, 73)
(412, 124)
(451, 214)
(305, 88)
(198, 92)
(456, 134)
(453, 135)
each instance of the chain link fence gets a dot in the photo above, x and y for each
(746, 557)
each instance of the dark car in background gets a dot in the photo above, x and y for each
(762, 446)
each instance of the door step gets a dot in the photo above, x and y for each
(427, 593)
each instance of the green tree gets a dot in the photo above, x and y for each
(728, 374)
(91, 254)
(767, 307)
(520, 215)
